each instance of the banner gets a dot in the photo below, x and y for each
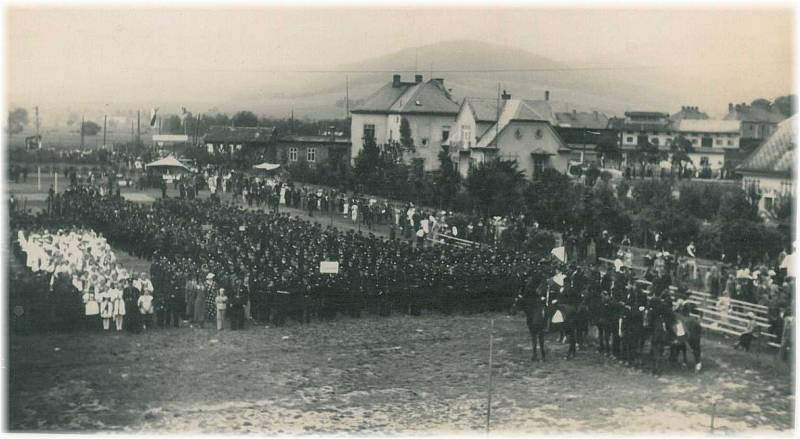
(329, 267)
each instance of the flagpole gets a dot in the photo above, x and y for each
(138, 127)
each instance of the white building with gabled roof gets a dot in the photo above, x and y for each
(427, 106)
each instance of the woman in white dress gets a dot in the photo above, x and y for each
(119, 305)
(106, 308)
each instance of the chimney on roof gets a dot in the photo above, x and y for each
(574, 112)
(547, 95)
(417, 78)
(506, 96)
(730, 106)
(596, 115)
(395, 81)
(440, 81)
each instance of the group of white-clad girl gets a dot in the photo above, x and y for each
(107, 303)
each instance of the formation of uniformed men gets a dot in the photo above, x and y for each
(272, 261)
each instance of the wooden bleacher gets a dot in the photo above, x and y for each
(712, 318)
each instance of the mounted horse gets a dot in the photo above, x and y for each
(673, 330)
(534, 304)
(600, 314)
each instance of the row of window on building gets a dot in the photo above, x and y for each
(311, 154)
(369, 133)
(707, 142)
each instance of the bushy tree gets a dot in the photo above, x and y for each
(786, 105)
(680, 147)
(17, 120)
(406, 139)
(90, 128)
(646, 153)
(736, 204)
(245, 119)
(171, 124)
(494, 187)
(447, 180)
(783, 208)
(652, 193)
(549, 200)
(368, 164)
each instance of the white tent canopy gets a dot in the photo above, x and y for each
(267, 166)
(167, 162)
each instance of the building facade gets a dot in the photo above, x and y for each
(426, 106)
(224, 139)
(520, 130)
(756, 122)
(710, 139)
(770, 168)
(313, 150)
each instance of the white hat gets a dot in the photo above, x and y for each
(210, 276)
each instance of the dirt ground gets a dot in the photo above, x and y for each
(424, 374)
(401, 374)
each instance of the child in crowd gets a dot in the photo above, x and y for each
(221, 301)
(106, 309)
(749, 333)
(119, 305)
(92, 308)
(145, 304)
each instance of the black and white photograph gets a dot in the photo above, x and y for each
(406, 219)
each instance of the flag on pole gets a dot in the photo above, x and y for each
(153, 117)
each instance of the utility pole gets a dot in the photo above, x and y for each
(82, 128)
(347, 96)
(497, 124)
(38, 136)
(292, 121)
(138, 127)
(105, 124)
(196, 128)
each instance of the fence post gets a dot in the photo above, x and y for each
(713, 414)
(489, 392)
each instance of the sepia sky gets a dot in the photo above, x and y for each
(64, 56)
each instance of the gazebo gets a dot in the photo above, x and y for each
(167, 164)
(267, 166)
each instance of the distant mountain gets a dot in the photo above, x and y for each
(322, 94)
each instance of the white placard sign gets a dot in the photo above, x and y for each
(331, 267)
